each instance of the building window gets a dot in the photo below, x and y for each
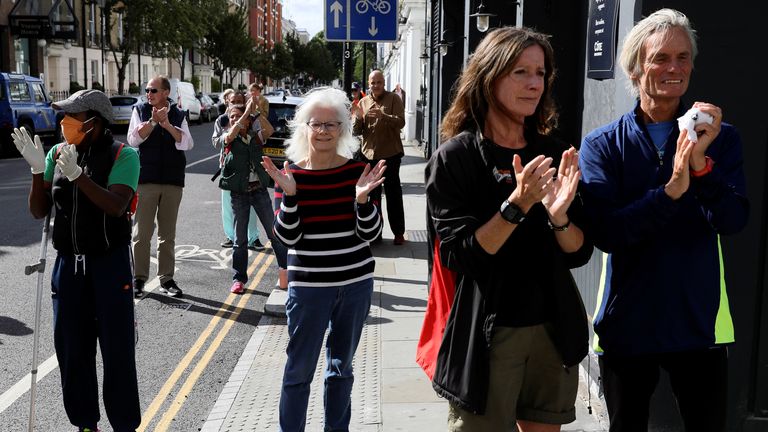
(95, 72)
(120, 28)
(145, 72)
(92, 24)
(72, 70)
(130, 73)
(21, 49)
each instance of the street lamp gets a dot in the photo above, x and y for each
(443, 45)
(483, 18)
(424, 57)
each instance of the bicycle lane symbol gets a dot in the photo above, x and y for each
(219, 258)
(380, 6)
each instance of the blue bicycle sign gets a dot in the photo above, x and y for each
(380, 6)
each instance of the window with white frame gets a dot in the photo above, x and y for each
(92, 24)
(73, 70)
(131, 73)
(95, 72)
(120, 27)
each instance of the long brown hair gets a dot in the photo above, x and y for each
(495, 57)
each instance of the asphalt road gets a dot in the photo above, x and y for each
(187, 347)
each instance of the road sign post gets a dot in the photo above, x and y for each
(361, 20)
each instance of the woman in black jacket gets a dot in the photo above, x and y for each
(502, 199)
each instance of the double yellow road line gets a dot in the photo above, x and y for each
(186, 388)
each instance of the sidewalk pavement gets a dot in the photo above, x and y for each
(391, 392)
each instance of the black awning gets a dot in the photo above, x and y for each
(43, 19)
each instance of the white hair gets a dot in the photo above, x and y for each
(632, 52)
(297, 146)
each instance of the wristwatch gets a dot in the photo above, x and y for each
(511, 212)
(153, 123)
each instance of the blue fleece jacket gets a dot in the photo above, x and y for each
(663, 283)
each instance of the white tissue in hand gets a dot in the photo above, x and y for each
(690, 119)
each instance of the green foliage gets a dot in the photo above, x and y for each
(133, 88)
(97, 86)
(215, 85)
(228, 43)
(195, 83)
(358, 74)
(75, 86)
(283, 64)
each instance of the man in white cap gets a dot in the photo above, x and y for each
(91, 179)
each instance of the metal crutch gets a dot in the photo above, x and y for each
(28, 270)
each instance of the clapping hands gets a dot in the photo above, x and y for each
(67, 162)
(31, 150)
(285, 180)
(534, 181)
(370, 179)
(563, 188)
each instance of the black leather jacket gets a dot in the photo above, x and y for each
(462, 195)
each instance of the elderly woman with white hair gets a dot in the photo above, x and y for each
(327, 221)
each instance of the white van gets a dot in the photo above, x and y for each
(183, 93)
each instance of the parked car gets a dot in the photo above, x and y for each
(281, 111)
(122, 109)
(24, 101)
(183, 93)
(208, 109)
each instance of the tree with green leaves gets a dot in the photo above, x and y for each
(283, 64)
(186, 23)
(228, 44)
(137, 22)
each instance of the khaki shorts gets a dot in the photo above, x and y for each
(527, 382)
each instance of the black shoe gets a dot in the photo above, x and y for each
(228, 243)
(256, 246)
(171, 289)
(138, 288)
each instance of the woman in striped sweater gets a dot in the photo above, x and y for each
(326, 221)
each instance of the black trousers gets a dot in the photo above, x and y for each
(394, 191)
(93, 298)
(699, 381)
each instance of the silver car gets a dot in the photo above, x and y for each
(122, 109)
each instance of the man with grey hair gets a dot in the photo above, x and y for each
(657, 201)
(159, 129)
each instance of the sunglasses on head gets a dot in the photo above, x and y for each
(151, 90)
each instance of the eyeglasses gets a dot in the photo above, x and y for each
(151, 90)
(331, 126)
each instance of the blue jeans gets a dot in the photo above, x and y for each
(228, 219)
(259, 200)
(342, 310)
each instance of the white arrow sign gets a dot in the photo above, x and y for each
(372, 30)
(336, 9)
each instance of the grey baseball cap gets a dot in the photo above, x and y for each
(85, 100)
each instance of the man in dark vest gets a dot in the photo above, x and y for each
(160, 131)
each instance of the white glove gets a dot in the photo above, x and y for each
(67, 162)
(690, 119)
(32, 151)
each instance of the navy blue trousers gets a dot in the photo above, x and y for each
(93, 298)
(699, 381)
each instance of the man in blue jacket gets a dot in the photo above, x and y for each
(657, 203)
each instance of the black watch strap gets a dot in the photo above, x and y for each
(511, 212)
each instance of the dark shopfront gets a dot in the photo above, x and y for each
(731, 42)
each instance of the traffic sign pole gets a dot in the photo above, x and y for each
(347, 68)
